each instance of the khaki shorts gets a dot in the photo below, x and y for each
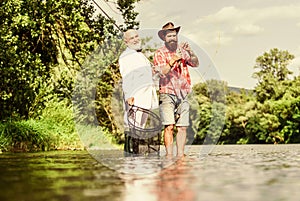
(173, 111)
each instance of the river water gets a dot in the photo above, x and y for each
(228, 172)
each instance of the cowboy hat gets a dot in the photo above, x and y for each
(169, 26)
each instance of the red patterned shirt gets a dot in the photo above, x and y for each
(177, 81)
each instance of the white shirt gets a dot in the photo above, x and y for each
(137, 81)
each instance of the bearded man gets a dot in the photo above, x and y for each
(172, 61)
(137, 82)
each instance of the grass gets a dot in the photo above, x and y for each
(53, 129)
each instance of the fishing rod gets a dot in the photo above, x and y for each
(107, 16)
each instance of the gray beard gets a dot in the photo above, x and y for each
(136, 47)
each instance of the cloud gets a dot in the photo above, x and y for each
(226, 14)
(232, 14)
(248, 29)
(235, 22)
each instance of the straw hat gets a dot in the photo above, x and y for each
(167, 27)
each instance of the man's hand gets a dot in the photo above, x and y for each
(185, 46)
(194, 58)
(130, 101)
(166, 69)
(174, 59)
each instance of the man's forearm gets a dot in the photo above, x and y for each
(194, 59)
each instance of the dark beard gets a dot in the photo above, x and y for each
(172, 45)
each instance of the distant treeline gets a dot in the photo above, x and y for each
(270, 113)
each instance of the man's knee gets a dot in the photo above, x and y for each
(182, 129)
(169, 128)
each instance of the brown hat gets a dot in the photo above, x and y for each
(169, 26)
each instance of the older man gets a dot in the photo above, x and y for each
(173, 60)
(137, 80)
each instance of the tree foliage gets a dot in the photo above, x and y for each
(37, 35)
(268, 114)
(209, 118)
(272, 72)
(127, 9)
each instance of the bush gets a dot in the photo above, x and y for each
(24, 135)
(53, 129)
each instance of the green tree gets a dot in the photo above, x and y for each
(36, 35)
(241, 108)
(209, 118)
(127, 9)
(277, 117)
(271, 73)
(269, 114)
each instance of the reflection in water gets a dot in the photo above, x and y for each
(231, 172)
(174, 183)
(138, 165)
(56, 176)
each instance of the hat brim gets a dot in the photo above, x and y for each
(161, 33)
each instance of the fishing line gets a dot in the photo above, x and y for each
(111, 19)
(107, 3)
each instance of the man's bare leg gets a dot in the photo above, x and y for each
(168, 139)
(180, 141)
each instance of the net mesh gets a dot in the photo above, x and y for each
(144, 129)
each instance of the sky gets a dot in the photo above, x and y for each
(230, 34)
